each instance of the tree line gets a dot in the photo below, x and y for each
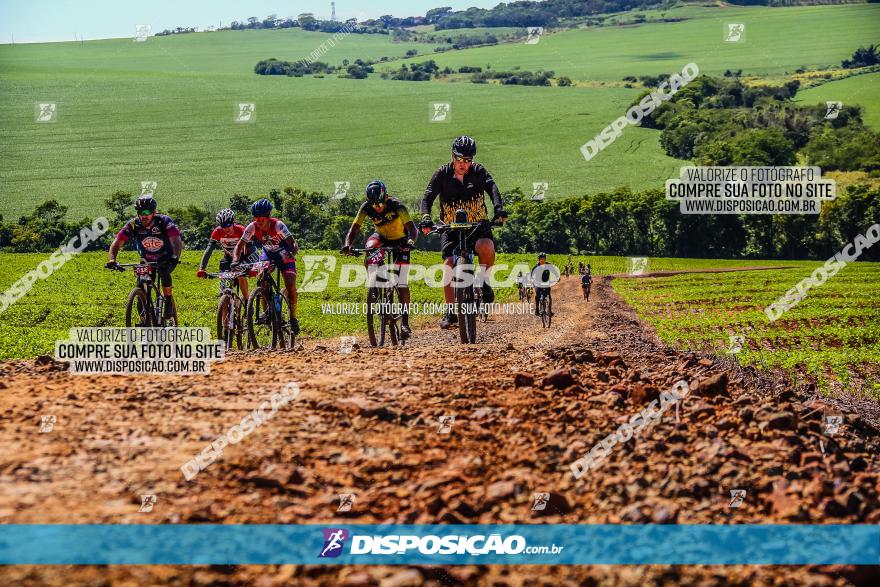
(620, 222)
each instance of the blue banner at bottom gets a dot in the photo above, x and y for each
(356, 544)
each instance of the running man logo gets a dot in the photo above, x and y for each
(638, 265)
(346, 502)
(832, 424)
(141, 32)
(148, 188)
(737, 497)
(736, 343)
(534, 35)
(334, 541)
(147, 503)
(833, 109)
(540, 501)
(446, 424)
(47, 423)
(735, 32)
(341, 189)
(245, 112)
(539, 190)
(45, 112)
(318, 269)
(440, 111)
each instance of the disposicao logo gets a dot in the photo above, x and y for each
(334, 540)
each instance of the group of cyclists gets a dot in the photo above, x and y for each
(459, 184)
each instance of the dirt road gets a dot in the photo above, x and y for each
(526, 402)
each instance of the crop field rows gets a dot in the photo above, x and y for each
(832, 338)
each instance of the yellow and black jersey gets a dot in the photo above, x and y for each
(389, 222)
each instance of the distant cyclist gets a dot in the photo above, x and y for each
(540, 275)
(157, 240)
(394, 228)
(520, 284)
(586, 281)
(226, 237)
(279, 247)
(461, 184)
(581, 268)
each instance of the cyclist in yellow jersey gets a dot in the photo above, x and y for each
(395, 228)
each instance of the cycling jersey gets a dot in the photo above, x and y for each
(227, 242)
(275, 248)
(272, 239)
(389, 222)
(466, 195)
(543, 277)
(586, 279)
(153, 242)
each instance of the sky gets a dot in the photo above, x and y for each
(30, 21)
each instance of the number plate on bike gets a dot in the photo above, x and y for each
(142, 270)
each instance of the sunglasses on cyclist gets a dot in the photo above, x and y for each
(464, 159)
(226, 225)
(144, 212)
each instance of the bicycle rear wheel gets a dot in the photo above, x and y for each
(138, 312)
(282, 335)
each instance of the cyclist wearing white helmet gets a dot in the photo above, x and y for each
(225, 237)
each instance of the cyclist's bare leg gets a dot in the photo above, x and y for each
(448, 291)
(243, 286)
(403, 290)
(290, 286)
(485, 250)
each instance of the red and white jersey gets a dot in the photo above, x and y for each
(272, 240)
(227, 242)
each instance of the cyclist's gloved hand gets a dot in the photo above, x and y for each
(201, 274)
(410, 243)
(111, 264)
(500, 215)
(346, 250)
(173, 263)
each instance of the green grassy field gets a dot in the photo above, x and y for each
(776, 40)
(82, 293)
(832, 337)
(859, 89)
(163, 109)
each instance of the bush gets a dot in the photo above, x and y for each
(564, 81)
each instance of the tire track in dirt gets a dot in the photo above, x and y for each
(526, 402)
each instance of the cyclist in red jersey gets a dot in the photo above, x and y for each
(225, 237)
(279, 247)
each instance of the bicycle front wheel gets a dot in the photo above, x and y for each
(138, 312)
(259, 319)
(464, 298)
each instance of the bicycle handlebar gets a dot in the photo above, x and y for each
(442, 227)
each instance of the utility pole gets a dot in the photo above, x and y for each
(333, 11)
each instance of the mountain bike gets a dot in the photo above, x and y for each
(268, 322)
(230, 310)
(146, 304)
(382, 314)
(468, 299)
(545, 308)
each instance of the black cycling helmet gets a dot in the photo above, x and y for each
(464, 146)
(261, 207)
(225, 217)
(376, 192)
(542, 255)
(145, 203)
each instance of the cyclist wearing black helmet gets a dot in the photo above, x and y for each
(394, 227)
(225, 237)
(157, 240)
(462, 184)
(279, 247)
(541, 274)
